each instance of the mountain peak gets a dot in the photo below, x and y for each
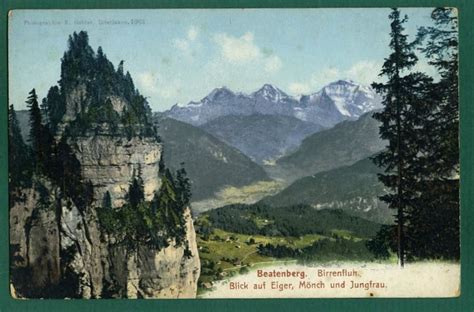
(219, 93)
(268, 86)
(344, 82)
(351, 98)
(337, 101)
(270, 93)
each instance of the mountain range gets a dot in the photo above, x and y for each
(338, 101)
(268, 123)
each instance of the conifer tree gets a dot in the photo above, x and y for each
(393, 127)
(66, 172)
(107, 201)
(183, 187)
(19, 162)
(54, 107)
(35, 128)
(136, 193)
(442, 51)
(435, 218)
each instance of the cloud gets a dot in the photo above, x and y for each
(237, 49)
(364, 72)
(324, 77)
(273, 64)
(243, 55)
(240, 63)
(188, 44)
(148, 81)
(315, 82)
(299, 88)
(153, 84)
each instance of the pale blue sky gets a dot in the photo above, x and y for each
(181, 55)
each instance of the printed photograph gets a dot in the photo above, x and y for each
(233, 153)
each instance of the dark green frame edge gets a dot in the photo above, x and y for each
(465, 302)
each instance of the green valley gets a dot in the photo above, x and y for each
(236, 238)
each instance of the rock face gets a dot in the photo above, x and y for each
(110, 163)
(56, 245)
(64, 252)
(155, 274)
(34, 240)
(60, 245)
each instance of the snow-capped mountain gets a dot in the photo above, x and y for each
(338, 101)
(268, 100)
(272, 94)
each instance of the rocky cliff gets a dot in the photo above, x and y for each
(60, 247)
(109, 163)
(59, 252)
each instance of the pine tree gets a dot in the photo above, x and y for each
(107, 201)
(435, 220)
(161, 164)
(183, 186)
(54, 107)
(35, 128)
(120, 69)
(394, 127)
(66, 172)
(19, 162)
(136, 192)
(78, 61)
(442, 52)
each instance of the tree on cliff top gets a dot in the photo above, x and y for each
(81, 66)
(41, 139)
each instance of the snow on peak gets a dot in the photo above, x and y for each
(337, 101)
(351, 99)
(270, 93)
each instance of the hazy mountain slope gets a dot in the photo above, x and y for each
(261, 137)
(210, 163)
(23, 117)
(354, 189)
(344, 144)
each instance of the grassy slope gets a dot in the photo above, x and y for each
(220, 246)
(230, 251)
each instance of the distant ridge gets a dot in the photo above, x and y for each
(338, 101)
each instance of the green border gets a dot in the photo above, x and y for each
(463, 303)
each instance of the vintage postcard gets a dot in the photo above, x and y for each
(234, 153)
